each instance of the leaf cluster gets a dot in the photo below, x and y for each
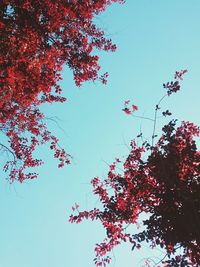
(161, 180)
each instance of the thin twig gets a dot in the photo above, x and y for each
(155, 118)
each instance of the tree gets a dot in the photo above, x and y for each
(37, 38)
(161, 180)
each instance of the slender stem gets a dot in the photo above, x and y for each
(155, 118)
(141, 117)
(8, 150)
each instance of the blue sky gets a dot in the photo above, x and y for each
(154, 39)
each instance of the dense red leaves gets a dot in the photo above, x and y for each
(37, 38)
(162, 181)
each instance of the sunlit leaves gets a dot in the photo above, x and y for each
(37, 38)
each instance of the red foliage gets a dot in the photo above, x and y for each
(129, 109)
(162, 180)
(37, 38)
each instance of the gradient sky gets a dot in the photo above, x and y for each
(154, 39)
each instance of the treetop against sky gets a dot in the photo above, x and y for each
(154, 39)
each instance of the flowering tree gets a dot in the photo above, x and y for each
(37, 38)
(160, 179)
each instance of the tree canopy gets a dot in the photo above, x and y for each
(161, 180)
(37, 38)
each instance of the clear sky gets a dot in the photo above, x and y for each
(154, 38)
